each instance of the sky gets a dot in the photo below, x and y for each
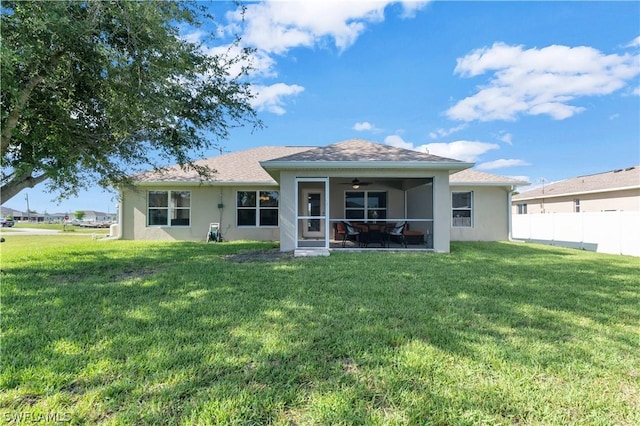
(541, 91)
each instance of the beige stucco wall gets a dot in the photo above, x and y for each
(204, 210)
(626, 200)
(490, 211)
(490, 215)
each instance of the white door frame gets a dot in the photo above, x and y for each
(324, 217)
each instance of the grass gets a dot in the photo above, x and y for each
(127, 332)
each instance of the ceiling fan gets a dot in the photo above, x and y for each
(356, 183)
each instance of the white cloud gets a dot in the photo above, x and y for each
(634, 43)
(398, 142)
(278, 26)
(270, 98)
(260, 64)
(411, 7)
(468, 151)
(636, 91)
(500, 164)
(194, 36)
(506, 137)
(365, 125)
(274, 27)
(446, 132)
(539, 81)
(462, 150)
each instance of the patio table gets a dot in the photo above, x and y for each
(372, 233)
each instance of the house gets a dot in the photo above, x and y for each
(9, 212)
(297, 195)
(94, 216)
(55, 217)
(613, 190)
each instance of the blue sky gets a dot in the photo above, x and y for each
(535, 90)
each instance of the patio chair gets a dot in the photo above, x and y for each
(397, 233)
(347, 231)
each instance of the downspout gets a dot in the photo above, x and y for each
(509, 209)
(119, 224)
(220, 210)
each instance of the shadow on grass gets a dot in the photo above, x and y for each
(174, 333)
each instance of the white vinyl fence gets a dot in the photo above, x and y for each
(616, 232)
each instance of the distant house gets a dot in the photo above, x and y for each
(613, 190)
(55, 217)
(299, 195)
(16, 214)
(94, 216)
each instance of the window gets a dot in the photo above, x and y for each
(522, 209)
(369, 205)
(462, 207)
(168, 208)
(257, 208)
(576, 205)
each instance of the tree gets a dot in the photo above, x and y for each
(92, 91)
(79, 214)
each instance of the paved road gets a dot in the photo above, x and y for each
(7, 232)
(28, 231)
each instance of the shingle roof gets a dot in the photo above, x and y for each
(244, 166)
(475, 177)
(612, 180)
(358, 150)
(240, 167)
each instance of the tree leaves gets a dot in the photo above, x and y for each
(93, 91)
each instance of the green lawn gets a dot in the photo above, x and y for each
(178, 333)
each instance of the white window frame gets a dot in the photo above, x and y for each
(171, 207)
(366, 208)
(458, 221)
(258, 208)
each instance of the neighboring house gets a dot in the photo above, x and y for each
(296, 195)
(94, 216)
(613, 190)
(15, 214)
(56, 217)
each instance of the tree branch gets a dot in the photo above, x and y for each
(12, 188)
(16, 112)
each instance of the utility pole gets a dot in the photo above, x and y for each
(543, 180)
(26, 196)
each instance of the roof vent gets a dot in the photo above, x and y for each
(629, 168)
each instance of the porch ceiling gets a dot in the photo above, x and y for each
(403, 184)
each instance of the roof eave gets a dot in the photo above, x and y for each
(476, 183)
(332, 165)
(205, 183)
(569, 194)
